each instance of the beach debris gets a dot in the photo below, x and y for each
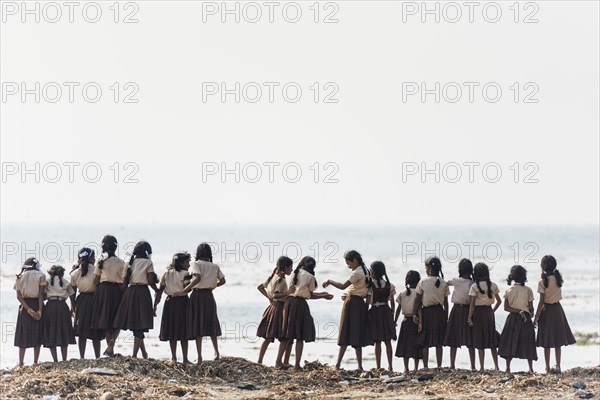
(489, 389)
(425, 377)
(179, 392)
(50, 397)
(248, 387)
(173, 380)
(99, 371)
(584, 394)
(508, 379)
(578, 385)
(107, 396)
(384, 377)
(394, 379)
(366, 375)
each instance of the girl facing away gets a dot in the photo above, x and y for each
(275, 290)
(517, 339)
(553, 327)
(354, 323)
(381, 314)
(58, 327)
(407, 346)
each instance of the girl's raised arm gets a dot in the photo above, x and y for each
(341, 286)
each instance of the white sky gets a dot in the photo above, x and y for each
(368, 134)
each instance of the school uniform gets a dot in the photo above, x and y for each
(298, 323)
(407, 345)
(355, 330)
(271, 322)
(108, 295)
(173, 324)
(84, 304)
(202, 309)
(553, 328)
(58, 327)
(433, 314)
(29, 332)
(381, 318)
(483, 332)
(457, 330)
(517, 339)
(136, 312)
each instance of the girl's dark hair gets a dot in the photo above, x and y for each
(308, 264)
(517, 274)
(482, 273)
(30, 264)
(465, 268)
(435, 265)
(549, 268)
(84, 256)
(204, 252)
(378, 269)
(179, 259)
(109, 246)
(54, 271)
(283, 262)
(355, 255)
(411, 281)
(141, 249)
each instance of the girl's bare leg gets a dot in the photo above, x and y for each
(215, 344)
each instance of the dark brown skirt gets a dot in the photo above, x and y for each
(407, 340)
(517, 339)
(202, 316)
(29, 332)
(58, 327)
(84, 310)
(297, 322)
(107, 299)
(434, 326)
(484, 334)
(457, 330)
(553, 328)
(382, 324)
(271, 322)
(354, 323)
(135, 312)
(173, 325)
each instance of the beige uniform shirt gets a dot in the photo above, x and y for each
(55, 290)
(29, 284)
(552, 293)
(210, 274)
(305, 286)
(482, 299)
(519, 296)
(113, 270)
(174, 281)
(460, 294)
(139, 271)
(406, 302)
(85, 284)
(358, 285)
(277, 284)
(432, 295)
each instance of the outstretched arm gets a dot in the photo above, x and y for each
(341, 286)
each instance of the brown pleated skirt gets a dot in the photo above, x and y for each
(407, 345)
(29, 332)
(457, 330)
(173, 324)
(58, 328)
(484, 334)
(354, 323)
(297, 322)
(434, 326)
(84, 311)
(135, 312)
(107, 300)
(517, 339)
(382, 323)
(271, 322)
(553, 328)
(202, 316)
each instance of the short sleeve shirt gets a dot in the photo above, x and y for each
(358, 285)
(113, 270)
(552, 293)
(85, 284)
(277, 284)
(407, 302)
(305, 286)
(519, 296)
(432, 295)
(29, 283)
(173, 281)
(54, 289)
(139, 271)
(209, 272)
(482, 299)
(460, 293)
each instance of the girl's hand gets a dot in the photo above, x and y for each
(329, 296)
(420, 328)
(326, 283)
(416, 319)
(470, 323)
(33, 313)
(344, 296)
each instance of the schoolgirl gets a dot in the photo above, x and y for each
(407, 346)
(381, 313)
(58, 327)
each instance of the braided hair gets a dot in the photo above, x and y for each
(204, 252)
(411, 281)
(517, 274)
(378, 269)
(482, 273)
(56, 271)
(355, 255)
(549, 268)
(29, 265)
(308, 264)
(109, 246)
(465, 268)
(283, 263)
(84, 256)
(435, 265)
(141, 249)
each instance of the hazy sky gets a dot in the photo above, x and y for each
(375, 62)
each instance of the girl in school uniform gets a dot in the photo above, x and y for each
(275, 290)
(58, 327)
(381, 314)
(407, 346)
(173, 325)
(202, 309)
(553, 328)
(354, 323)
(297, 323)
(432, 300)
(457, 330)
(109, 273)
(30, 287)
(82, 279)
(481, 314)
(517, 339)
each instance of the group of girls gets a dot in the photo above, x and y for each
(113, 296)
(368, 313)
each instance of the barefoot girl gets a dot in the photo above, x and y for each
(407, 346)
(381, 314)
(58, 327)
